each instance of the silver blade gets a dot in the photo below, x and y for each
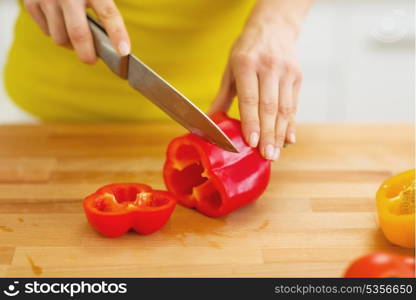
(173, 103)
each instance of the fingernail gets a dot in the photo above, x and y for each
(276, 153)
(292, 138)
(269, 152)
(254, 139)
(124, 48)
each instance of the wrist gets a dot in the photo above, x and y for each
(279, 14)
(273, 24)
(292, 24)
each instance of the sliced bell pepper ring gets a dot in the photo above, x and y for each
(396, 208)
(116, 208)
(382, 265)
(214, 181)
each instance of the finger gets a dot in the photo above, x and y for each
(246, 82)
(269, 95)
(56, 24)
(225, 95)
(285, 112)
(113, 23)
(291, 130)
(78, 30)
(36, 12)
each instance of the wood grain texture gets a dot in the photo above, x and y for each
(316, 216)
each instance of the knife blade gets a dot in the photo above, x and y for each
(157, 90)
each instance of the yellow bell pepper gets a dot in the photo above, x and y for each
(396, 208)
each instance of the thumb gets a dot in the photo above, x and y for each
(225, 95)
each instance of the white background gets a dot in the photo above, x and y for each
(357, 57)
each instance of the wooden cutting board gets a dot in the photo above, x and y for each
(315, 217)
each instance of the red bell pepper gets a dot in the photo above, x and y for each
(379, 265)
(116, 208)
(214, 181)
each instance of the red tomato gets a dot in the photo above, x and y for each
(381, 264)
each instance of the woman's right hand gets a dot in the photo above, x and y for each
(66, 22)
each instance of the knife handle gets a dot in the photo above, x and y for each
(118, 64)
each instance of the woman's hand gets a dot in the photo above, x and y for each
(263, 72)
(65, 21)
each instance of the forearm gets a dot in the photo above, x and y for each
(290, 13)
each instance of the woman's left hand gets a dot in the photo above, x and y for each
(263, 72)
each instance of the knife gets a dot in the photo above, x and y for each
(156, 89)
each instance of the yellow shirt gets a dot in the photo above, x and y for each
(186, 41)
